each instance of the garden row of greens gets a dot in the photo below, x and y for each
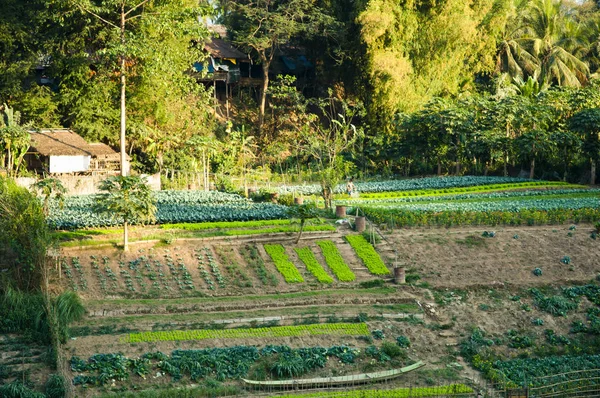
(500, 205)
(333, 259)
(473, 197)
(471, 189)
(219, 363)
(327, 329)
(367, 254)
(416, 392)
(406, 185)
(284, 265)
(410, 218)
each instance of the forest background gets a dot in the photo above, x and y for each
(409, 87)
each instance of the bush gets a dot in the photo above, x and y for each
(372, 283)
(286, 200)
(403, 341)
(391, 350)
(55, 386)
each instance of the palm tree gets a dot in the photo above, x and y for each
(545, 43)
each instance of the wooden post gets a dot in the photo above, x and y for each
(361, 223)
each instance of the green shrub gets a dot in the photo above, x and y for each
(55, 386)
(372, 283)
(403, 341)
(391, 349)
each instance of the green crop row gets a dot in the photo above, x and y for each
(216, 363)
(367, 254)
(460, 190)
(410, 218)
(284, 265)
(312, 264)
(417, 392)
(327, 329)
(406, 184)
(225, 224)
(334, 260)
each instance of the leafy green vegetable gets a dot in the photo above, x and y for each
(284, 265)
(334, 260)
(367, 254)
(308, 258)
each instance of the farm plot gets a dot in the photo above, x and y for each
(407, 184)
(172, 207)
(194, 268)
(549, 206)
(224, 364)
(153, 272)
(329, 329)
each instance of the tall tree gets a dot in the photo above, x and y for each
(108, 51)
(263, 26)
(327, 136)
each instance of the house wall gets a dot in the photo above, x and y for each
(85, 185)
(69, 164)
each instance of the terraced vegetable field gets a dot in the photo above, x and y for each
(196, 300)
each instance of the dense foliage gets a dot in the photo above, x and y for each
(486, 86)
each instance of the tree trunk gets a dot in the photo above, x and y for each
(532, 169)
(300, 232)
(125, 237)
(593, 172)
(505, 164)
(439, 167)
(122, 76)
(263, 92)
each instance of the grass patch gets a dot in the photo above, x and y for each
(168, 235)
(472, 241)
